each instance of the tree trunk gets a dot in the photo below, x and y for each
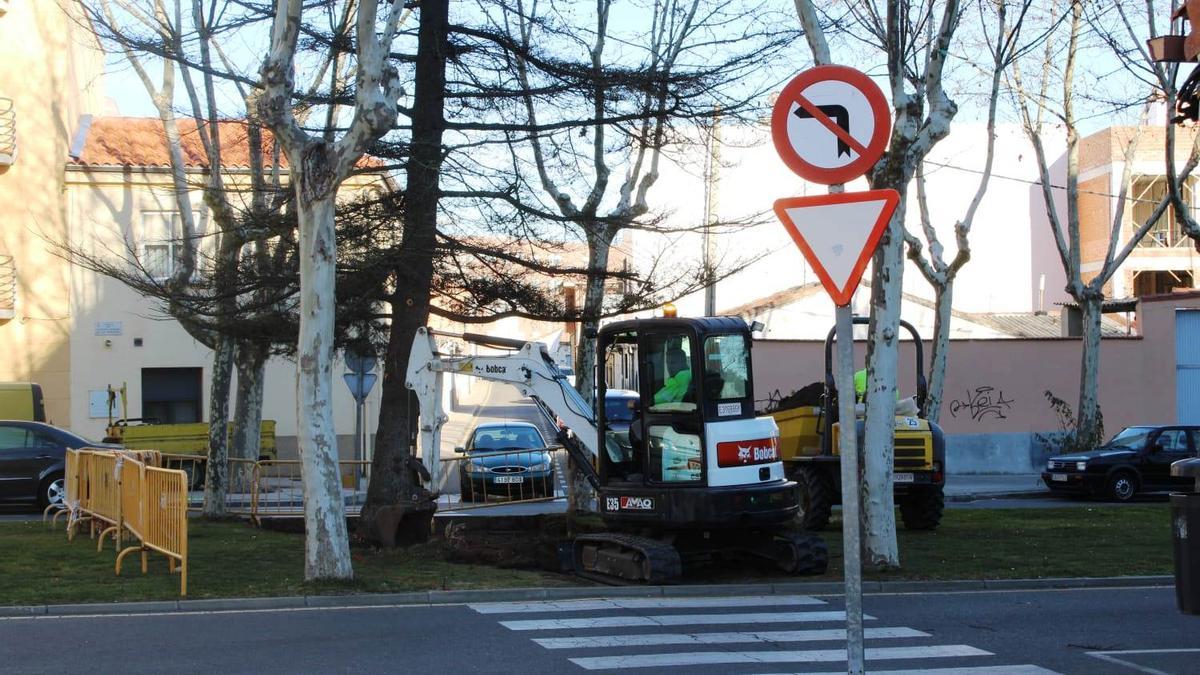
(879, 506)
(327, 545)
(1088, 429)
(251, 362)
(396, 492)
(943, 300)
(581, 497)
(599, 248)
(216, 478)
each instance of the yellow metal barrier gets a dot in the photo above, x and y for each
(160, 523)
(104, 492)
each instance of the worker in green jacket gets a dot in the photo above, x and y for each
(679, 379)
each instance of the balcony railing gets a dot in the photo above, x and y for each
(8, 133)
(8, 288)
(1165, 239)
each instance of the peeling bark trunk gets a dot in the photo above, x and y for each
(251, 362)
(943, 302)
(580, 496)
(1089, 371)
(599, 247)
(395, 482)
(327, 543)
(879, 504)
(216, 477)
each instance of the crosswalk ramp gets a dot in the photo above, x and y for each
(746, 634)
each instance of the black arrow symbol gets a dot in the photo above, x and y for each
(841, 117)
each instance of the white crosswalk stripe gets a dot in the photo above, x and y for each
(642, 603)
(826, 634)
(809, 656)
(676, 620)
(614, 650)
(967, 670)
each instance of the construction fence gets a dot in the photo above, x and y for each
(127, 496)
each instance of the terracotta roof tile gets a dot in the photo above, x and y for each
(141, 142)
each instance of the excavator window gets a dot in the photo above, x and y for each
(673, 385)
(725, 367)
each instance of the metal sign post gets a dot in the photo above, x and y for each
(831, 124)
(360, 380)
(851, 492)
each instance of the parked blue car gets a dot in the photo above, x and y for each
(496, 465)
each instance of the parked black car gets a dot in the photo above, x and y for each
(32, 459)
(1136, 460)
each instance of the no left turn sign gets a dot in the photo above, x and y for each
(830, 124)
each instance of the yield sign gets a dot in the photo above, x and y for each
(830, 124)
(837, 233)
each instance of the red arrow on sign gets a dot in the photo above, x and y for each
(838, 233)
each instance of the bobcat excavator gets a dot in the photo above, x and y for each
(695, 475)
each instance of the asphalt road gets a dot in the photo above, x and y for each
(1092, 631)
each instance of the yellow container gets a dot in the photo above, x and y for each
(798, 431)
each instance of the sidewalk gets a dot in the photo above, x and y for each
(969, 487)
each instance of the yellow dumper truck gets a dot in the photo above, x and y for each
(808, 430)
(173, 439)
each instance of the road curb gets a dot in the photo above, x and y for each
(433, 598)
(983, 496)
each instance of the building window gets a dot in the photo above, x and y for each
(172, 395)
(1146, 192)
(161, 242)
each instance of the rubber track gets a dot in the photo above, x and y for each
(665, 564)
(812, 553)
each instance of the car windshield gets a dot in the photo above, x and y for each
(1131, 437)
(619, 409)
(506, 438)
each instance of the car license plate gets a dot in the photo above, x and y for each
(902, 477)
(507, 479)
(1058, 476)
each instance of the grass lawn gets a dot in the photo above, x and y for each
(228, 559)
(1099, 541)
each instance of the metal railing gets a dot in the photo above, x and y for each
(1164, 239)
(8, 132)
(8, 287)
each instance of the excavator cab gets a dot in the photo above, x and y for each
(694, 428)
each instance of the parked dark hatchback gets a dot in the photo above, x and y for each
(1136, 460)
(32, 458)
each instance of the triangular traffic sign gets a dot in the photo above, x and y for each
(838, 233)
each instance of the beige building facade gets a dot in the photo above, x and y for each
(51, 77)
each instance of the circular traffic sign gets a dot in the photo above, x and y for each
(830, 124)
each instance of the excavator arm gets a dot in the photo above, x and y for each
(530, 369)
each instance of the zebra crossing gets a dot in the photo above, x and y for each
(663, 633)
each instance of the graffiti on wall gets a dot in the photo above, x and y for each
(982, 403)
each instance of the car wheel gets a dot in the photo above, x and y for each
(1122, 486)
(53, 490)
(466, 490)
